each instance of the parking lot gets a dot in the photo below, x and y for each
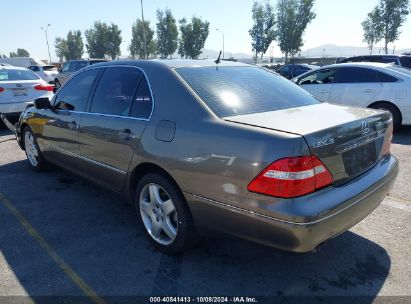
(63, 236)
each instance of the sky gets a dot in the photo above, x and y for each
(338, 22)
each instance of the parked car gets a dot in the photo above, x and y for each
(46, 72)
(19, 87)
(197, 148)
(290, 71)
(72, 66)
(23, 62)
(369, 85)
(400, 60)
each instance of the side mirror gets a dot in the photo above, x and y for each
(42, 103)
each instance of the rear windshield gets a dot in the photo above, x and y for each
(231, 91)
(10, 75)
(49, 68)
(406, 62)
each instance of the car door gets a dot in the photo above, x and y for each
(59, 134)
(355, 86)
(319, 83)
(111, 129)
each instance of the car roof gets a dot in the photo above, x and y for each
(11, 67)
(173, 63)
(378, 56)
(359, 64)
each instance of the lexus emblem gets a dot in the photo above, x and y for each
(365, 125)
(18, 85)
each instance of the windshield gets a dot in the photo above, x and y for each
(50, 68)
(231, 91)
(406, 61)
(10, 75)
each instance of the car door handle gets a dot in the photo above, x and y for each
(126, 134)
(72, 125)
(367, 91)
(324, 92)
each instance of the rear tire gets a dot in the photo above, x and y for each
(164, 214)
(33, 153)
(396, 114)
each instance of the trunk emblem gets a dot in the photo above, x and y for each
(365, 125)
(19, 85)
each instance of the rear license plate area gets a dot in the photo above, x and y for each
(19, 92)
(359, 159)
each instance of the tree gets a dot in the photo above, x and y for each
(71, 47)
(167, 33)
(390, 16)
(136, 47)
(193, 37)
(103, 40)
(293, 16)
(262, 33)
(372, 32)
(20, 53)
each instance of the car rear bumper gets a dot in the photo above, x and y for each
(301, 236)
(14, 108)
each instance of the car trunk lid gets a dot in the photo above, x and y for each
(347, 140)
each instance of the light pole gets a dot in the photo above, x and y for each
(144, 30)
(218, 30)
(47, 40)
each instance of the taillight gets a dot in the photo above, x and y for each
(1, 89)
(292, 177)
(387, 145)
(44, 87)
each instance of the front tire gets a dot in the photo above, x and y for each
(164, 214)
(33, 153)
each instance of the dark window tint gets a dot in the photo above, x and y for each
(10, 75)
(77, 65)
(352, 59)
(115, 91)
(73, 96)
(406, 61)
(382, 59)
(142, 104)
(49, 68)
(230, 91)
(324, 76)
(382, 77)
(356, 75)
(96, 61)
(34, 68)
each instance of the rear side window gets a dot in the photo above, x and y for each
(10, 75)
(77, 65)
(74, 95)
(386, 78)
(356, 75)
(231, 91)
(115, 91)
(143, 103)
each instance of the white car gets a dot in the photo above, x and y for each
(370, 85)
(19, 87)
(46, 72)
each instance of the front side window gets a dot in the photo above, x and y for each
(77, 65)
(115, 91)
(356, 75)
(324, 76)
(241, 90)
(66, 67)
(73, 96)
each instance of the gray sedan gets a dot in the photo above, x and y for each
(198, 146)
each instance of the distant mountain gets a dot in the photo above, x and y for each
(332, 50)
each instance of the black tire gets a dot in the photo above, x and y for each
(39, 164)
(186, 235)
(396, 114)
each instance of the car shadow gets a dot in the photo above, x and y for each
(403, 136)
(97, 234)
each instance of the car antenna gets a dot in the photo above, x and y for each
(218, 60)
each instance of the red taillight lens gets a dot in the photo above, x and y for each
(1, 89)
(292, 177)
(44, 87)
